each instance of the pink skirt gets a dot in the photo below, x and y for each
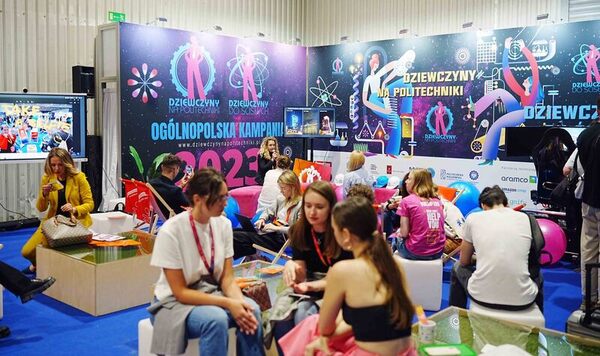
(295, 341)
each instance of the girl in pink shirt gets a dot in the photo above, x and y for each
(421, 219)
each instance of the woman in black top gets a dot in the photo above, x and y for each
(268, 153)
(368, 290)
(314, 250)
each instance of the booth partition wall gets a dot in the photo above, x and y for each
(43, 40)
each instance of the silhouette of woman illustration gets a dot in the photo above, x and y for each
(193, 57)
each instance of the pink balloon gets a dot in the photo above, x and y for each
(556, 242)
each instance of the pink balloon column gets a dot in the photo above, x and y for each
(556, 242)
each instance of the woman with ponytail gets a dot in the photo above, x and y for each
(366, 309)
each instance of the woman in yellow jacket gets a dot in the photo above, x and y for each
(66, 191)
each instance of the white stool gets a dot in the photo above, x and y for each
(531, 316)
(424, 279)
(112, 222)
(145, 329)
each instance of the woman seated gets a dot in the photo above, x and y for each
(366, 309)
(65, 191)
(314, 251)
(356, 172)
(421, 219)
(270, 190)
(391, 220)
(196, 295)
(274, 222)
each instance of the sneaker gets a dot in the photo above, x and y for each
(37, 286)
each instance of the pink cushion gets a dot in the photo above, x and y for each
(383, 194)
(247, 199)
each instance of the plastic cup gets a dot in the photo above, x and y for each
(427, 332)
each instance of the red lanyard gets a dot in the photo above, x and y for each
(287, 215)
(210, 267)
(314, 236)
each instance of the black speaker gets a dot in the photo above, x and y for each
(83, 80)
(93, 167)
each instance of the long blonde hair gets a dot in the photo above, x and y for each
(355, 161)
(66, 160)
(290, 178)
(264, 150)
(423, 185)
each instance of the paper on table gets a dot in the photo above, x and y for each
(107, 237)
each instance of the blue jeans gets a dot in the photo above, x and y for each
(406, 254)
(305, 309)
(211, 324)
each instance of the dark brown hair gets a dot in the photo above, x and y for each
(361, 190)
(300, 232)
(205, 182)
(170, 161)
(358, 216)
(491, 196)
(283, 162)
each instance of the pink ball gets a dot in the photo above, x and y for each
(556, 242)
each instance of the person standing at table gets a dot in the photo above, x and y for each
(65, 191)
(268, 153)
(588, 144)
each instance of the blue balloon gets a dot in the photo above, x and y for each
(469, 199)
(231, 209)
(473, 211)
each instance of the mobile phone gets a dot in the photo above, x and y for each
(56, 185)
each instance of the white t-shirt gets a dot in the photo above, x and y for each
(270, 189)
(175, 248)
(501, 238)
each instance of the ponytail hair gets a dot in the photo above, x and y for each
(358, 216)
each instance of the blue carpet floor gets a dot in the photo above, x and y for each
(47, 326)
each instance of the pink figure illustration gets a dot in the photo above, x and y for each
(439, 112)
(531, 85)
(248, 66)
(591, 60)
(194, 56)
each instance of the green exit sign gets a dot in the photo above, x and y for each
(116, 16)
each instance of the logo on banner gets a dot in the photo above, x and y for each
(439, 121)
(586, 63)
(248, 72)
(474, 175)
(144, 82)
(432, 171)
(515, 179)
(337, 66)
(445, 175)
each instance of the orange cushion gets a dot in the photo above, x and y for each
(447, 192)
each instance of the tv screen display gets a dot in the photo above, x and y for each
(520, 141)
(32, 124)
(309, 122)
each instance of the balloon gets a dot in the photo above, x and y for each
(474, 211)
(556, 242)
(231, 209)
(469, 199)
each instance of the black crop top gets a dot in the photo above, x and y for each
(372, 323)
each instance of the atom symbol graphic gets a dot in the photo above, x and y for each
(580, 60)
(143, 84)
(325, 93)
(259, 71)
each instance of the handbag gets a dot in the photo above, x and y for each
(564, 192)
(63, 231)
(259, 292)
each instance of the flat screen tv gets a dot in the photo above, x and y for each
(520, 141)
(32, 124)
(309, 122)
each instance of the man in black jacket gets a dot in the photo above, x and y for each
(589, 155)
(165, 186)
(21, 286)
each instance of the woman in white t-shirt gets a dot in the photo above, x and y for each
(196, 295)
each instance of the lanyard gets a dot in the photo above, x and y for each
(210, 267)
(321, 257)
(288, 213)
